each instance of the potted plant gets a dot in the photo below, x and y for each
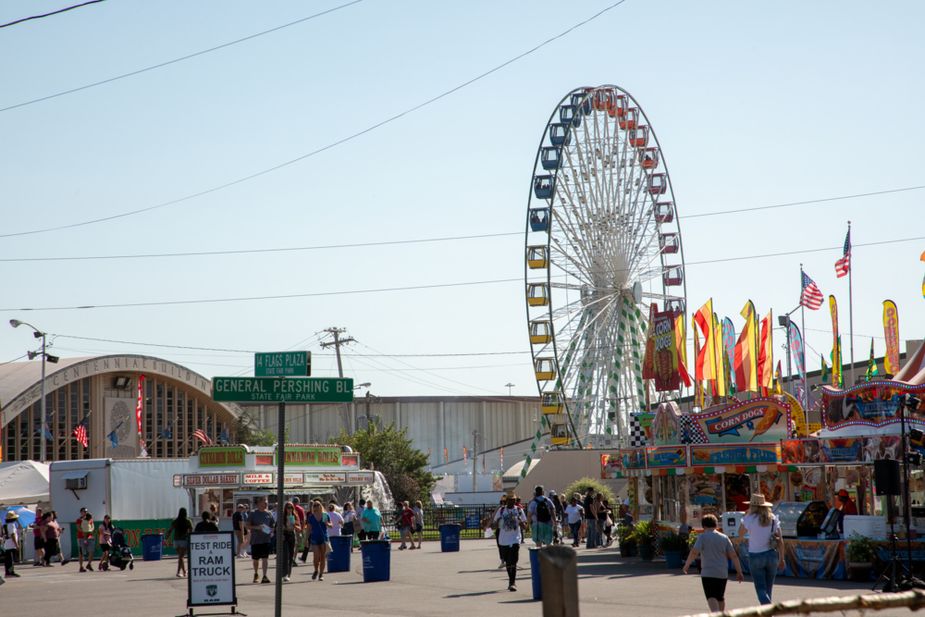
(860, 553)
(672, 546)
(644, 536)
(627, 542)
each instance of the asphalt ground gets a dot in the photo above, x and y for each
(426, 583)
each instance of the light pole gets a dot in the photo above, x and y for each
(45, 356)
(509, 385)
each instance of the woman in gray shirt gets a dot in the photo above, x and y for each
(714, 548)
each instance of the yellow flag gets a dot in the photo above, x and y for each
(891, 334)
(719, 352)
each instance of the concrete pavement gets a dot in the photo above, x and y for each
(423, 583)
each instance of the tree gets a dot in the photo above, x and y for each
(582, 485)
(390, 451)
(246, 432)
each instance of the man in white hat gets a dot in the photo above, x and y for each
(11, 543)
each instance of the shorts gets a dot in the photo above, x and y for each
(260, 551)
(181, 544)
(714, 587)
(86, 546)
(105, 547)
(510, 554)
(542, 533)
(419, 529)
(39, 543)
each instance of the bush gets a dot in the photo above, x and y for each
(860, 549)
(644, 533)
(582, 485)
(671, 542)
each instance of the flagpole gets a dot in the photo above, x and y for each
(803, 330)
(850, 311)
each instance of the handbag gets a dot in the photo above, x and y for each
(327, 546)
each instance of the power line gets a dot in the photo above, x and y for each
(317, 151)
(803, 203)
(250, 351)
(175, 60)
(256, 298)
(64, 10)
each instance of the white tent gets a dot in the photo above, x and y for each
(23, 482)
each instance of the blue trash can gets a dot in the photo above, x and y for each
(377, 557)
(339, 557)
(151, 546)
(449, 537)
(535, 574)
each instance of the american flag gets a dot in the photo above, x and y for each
(811, 297)
(843, 265)
(80, 433)
(201, 436)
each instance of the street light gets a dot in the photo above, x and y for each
(509, 385)
(45, 357)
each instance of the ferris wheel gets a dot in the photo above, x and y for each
(602, 245)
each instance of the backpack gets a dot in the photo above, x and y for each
(543, 515)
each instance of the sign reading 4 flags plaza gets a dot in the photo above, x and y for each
(211, 570)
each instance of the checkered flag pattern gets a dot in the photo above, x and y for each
(691, 432)
(637, 434)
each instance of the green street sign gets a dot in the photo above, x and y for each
(283, 364)
(282, 390)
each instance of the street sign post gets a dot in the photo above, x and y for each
(282, 389)
(283, 364)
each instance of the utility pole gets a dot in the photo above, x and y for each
(475, 460)
(337, 342)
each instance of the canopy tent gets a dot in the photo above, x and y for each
(23, 482)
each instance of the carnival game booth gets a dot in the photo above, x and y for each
(720, 456)
(221, 477)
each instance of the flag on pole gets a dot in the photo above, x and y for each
(80, 433)
(766, 353)
(446, 455)
(824, 371)
(746, 353)
(139, 406)
(719, 383)
(113, 438)
(465, 454)
(872, 370)
(729, 344)
(201, 436)
(778, 380)
(843, 265)
(811, 297)
(698, 372)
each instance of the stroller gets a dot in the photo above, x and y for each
(120, 555)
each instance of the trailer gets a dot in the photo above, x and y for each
(141, 495)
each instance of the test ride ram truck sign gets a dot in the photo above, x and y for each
(211, 569)
(282, 390)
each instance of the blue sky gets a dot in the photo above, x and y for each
(754, 104)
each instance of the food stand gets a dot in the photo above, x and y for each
(225, 476)
(693, 464)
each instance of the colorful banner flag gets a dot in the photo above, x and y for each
(797, 350)
(872, 370)
(680, 333)
(766, 353)
(836, 347)
(746, 351)
(891, 334)
(661, 359)
(698, 371)
(719, 352)
(80, 433)
(706, 358)
(729, 344)
(778, 380)
(824, 370)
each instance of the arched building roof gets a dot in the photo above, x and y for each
(175, 399)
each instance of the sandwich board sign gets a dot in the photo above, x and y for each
(211, 570)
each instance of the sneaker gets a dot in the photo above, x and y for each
(402, 547)
(256, 578)
(90, 567)
(64, 562)
(511, 587)
(265, 581)
(314, 574)
(84, 570)
(179, 575)
(285, 579)
(320, 577)
(14, 574)
(502, 566)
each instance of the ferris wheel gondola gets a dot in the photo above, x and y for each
(602, 244)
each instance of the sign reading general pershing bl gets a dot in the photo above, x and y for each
(282, 390)
(211, 569)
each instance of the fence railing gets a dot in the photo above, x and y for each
(470, 519)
